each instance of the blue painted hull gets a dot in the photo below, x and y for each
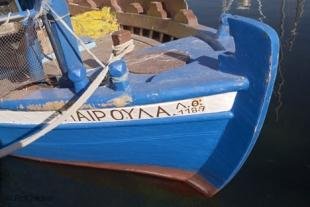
(206, 150)
(182, 143)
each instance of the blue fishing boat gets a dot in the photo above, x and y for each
(189, 108)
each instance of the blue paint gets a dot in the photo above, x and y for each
(198, 78)
(256, 57)
(70, 60)
(215, 146)
(87, 41)
(19, 8)
(118, 72)
(163, 142)
(34, 55)
(223, 31)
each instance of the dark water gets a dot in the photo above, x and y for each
(276, 174)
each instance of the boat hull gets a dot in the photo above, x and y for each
(174, 148)
(207, 149)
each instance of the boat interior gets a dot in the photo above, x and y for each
(167, 63)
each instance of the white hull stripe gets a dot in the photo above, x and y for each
(203, 105)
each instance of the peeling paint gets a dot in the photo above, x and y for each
(49, 106)
(121, 101)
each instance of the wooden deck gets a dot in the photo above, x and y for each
(103, 51)
(137, 61)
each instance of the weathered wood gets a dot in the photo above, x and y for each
(166, 26)
(156, 9)
(120, 37)
(135, 8)
(172, 7)
(187, 17)
(89, 3)
(103, 51)
(176, 11)
(81, 6)
(156, 62)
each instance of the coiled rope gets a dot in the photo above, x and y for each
(60, 117)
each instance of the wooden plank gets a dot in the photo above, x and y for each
(157, 62)
(166, 26)
(172, 7)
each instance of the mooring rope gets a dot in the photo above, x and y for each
(64, 115)
(8, 18)
(27, 17)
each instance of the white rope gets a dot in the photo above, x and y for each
(27, 17)
(119, 49)
(8, 18)
(60, 118)
(60, 17)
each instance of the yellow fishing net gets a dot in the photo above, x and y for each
(95, 23)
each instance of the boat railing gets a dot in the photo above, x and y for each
(162, 21)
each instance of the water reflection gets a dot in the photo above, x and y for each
(298, 16)
(227, 4)
(287, 36)
(287, 46)
(244, 4)
(260, 11)
(281, 78)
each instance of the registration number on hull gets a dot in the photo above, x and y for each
(203, 105)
